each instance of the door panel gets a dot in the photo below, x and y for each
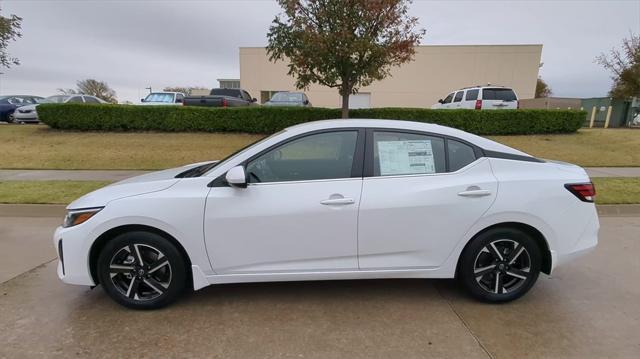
(283, 227)
(417, 221)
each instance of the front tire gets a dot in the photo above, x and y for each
(500, 265)
(142, 270)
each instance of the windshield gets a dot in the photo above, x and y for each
(55, 99)
(159, 97)
(202, 169)
(287, 97)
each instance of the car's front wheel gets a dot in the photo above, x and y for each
(500, 265)
(141, 270)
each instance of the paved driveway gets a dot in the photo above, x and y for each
(589, 309)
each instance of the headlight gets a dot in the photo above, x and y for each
(77, 216)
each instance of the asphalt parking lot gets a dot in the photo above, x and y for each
(588, 309)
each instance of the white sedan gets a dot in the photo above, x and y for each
(340, 199)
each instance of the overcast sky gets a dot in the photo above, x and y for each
(134, 44)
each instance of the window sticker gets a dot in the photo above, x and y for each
(406, 157)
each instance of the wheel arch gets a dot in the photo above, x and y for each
(539, 238)
(105, 237)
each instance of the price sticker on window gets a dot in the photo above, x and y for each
(405, 157)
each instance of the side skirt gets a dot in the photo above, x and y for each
(325, 275)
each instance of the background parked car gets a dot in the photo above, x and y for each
(163, 98)
(289, 99)
(26, 114)
(480, 98)
(222, 98)
(8, 105)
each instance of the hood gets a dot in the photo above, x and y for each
(27, 107)
(134, 186)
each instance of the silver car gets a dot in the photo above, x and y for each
(289, 99)
(28, 114)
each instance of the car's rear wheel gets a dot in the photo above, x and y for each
(142, 270)
(500, 265)
(11, 118)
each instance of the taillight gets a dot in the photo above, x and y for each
(478, 104)
(586, 192)
(224, 102)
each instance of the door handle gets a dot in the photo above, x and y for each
(337, 201)
(475, 193)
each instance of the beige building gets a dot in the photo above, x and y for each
(435, 71)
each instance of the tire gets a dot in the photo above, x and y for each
(10, 118)
(159, 281)
(500, 265)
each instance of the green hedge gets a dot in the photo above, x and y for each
(259, 119)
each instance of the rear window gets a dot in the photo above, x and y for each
(226, 92)
(498, 94)
(472, 95)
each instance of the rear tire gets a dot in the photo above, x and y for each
(142, 270)
(500, 265)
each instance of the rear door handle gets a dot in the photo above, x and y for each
(337, 201)
(475, 193)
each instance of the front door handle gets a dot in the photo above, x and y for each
(337, 201)
(475, 193)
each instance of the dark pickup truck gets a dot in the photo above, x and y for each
(222, 98)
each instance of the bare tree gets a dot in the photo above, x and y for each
(624, 65)
(9, 31)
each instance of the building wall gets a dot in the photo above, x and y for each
(436, 71)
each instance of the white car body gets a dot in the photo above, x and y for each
(480, 98)
(163, 98)
(398, 226)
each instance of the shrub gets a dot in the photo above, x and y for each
(259, 119)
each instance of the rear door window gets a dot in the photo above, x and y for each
(460, 155)
(399, 153)
(76, 99)
(458, 97)
(472, 95)
(498, 94)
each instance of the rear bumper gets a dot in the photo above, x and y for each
(587, 241)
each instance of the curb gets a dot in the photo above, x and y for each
(59, 210)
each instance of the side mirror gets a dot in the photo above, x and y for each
(141, 100)
(440, 101)
(254, 100)
(236, 177)
(306, 102)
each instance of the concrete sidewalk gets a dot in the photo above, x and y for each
(117, 175)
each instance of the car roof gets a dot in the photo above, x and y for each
(481, 142)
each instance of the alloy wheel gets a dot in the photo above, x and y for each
(502, 266)
(140, 272)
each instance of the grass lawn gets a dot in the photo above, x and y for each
(41, 192)
(611, 190)
(587, 148)
(617, 190)
(38, 147)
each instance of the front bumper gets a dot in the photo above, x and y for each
(73, 256)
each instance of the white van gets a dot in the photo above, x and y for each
(480, 98)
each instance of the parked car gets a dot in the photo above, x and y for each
(28, 114)
(163, 98)
(8, 105)
(480, 98)
(317, 202)
(289, 99)
(222, 98)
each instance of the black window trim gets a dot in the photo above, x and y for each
(356, 166)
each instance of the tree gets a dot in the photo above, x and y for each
(542, 89)
(92, 87)
(9, 31)
(343, 44)
(624, 65)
